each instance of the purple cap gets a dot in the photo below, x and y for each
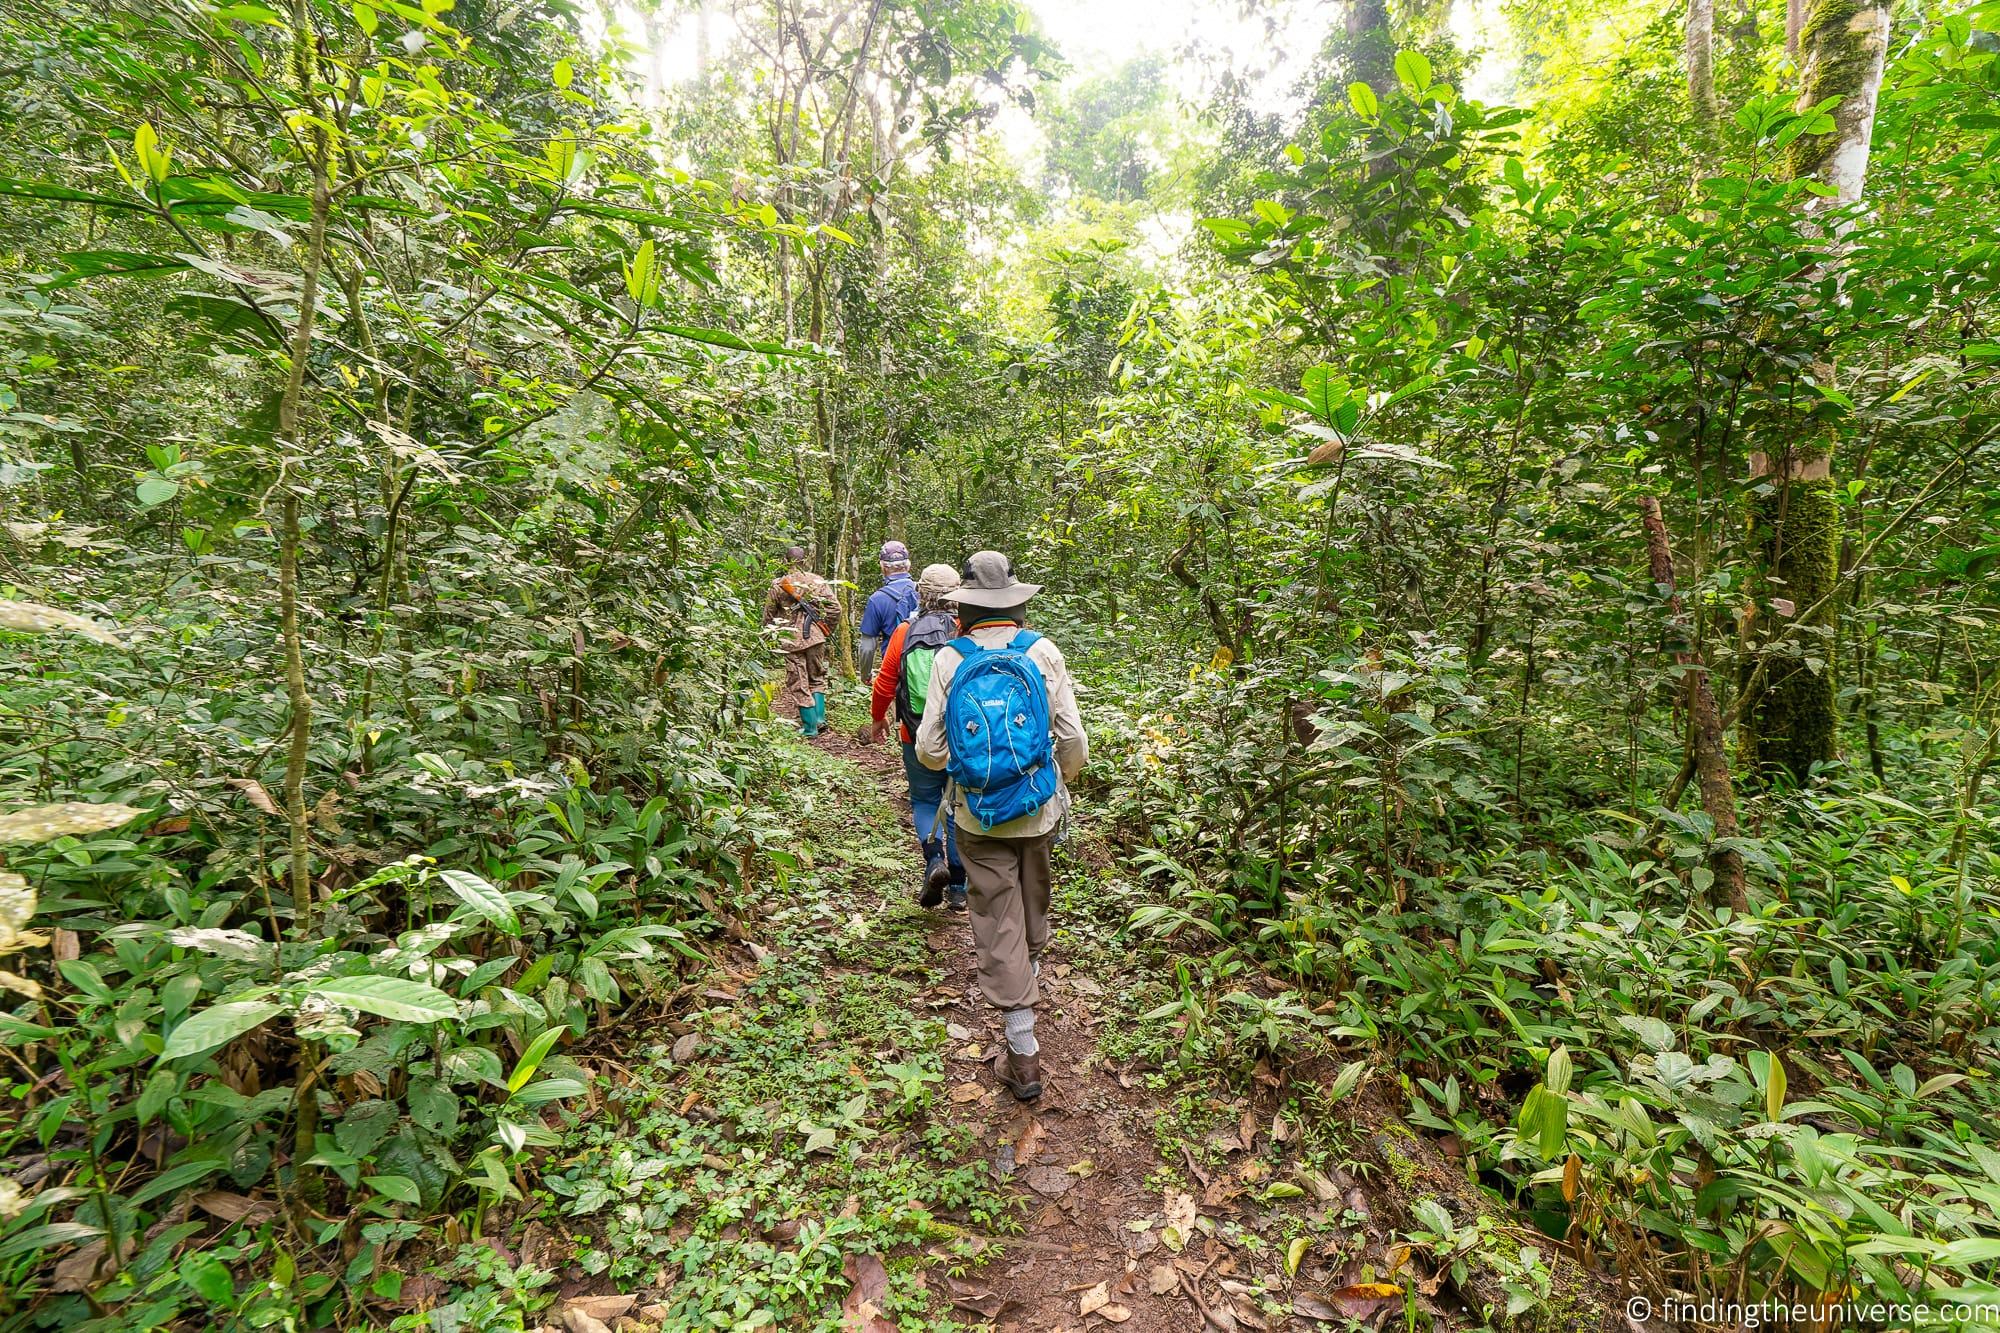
(895, 553)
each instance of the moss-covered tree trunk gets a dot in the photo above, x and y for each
(1795, 529)
(1842, 47)
(1795, 519)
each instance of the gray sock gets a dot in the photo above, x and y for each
(1021, 1031)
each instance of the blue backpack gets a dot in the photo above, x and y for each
(996, 718)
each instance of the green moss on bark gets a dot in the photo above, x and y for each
(1792, 722)
(1842, 57)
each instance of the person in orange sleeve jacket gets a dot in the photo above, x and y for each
(902, 682)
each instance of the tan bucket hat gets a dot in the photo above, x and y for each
(988, 580)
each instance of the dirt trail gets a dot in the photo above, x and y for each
(1078, 1157)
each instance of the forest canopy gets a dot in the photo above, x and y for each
(1530, 563)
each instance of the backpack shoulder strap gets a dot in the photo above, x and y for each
(967, 649)
(1024, 640)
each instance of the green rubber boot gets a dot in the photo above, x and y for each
(819, 710)
(809, 720)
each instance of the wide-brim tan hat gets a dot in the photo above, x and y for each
(988, 580)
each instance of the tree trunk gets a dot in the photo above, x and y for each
(1796, 526)
(1711, 763)
(1371, 44)
(1796, 531)
(1700, 45)
(1795, 22)
(1843, 45)
(299, 701)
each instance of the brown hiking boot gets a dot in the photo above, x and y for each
(1022, 1075)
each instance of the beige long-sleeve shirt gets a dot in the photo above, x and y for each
(1065, 728)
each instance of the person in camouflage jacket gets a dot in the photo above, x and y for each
(801, 613)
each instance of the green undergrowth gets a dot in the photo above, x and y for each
(800, 1124)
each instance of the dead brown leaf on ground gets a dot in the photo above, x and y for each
(861, 1312)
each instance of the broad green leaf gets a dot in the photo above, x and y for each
(397, 998)
(157, 490)
(1362, 98)
(485, 901)
(531, 1059)
(1559, 1071)
(47, 1237)
(217, 1024)
(1413, 71)
(400, 1188)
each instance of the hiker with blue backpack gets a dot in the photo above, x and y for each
(903, 684)
(1000, 717)
(888, 606)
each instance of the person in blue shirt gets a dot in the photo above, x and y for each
(888, 606)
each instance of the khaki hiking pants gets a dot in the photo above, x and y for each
(1007, 892)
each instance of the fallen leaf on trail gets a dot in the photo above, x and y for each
(576, 1321)
(1004, 1161)
(1179, 1224)
(967, 1092)
(1162, 1280)
(1061, 969)
(1246, 1130)
(1030, 1141)
(685, 1047)
(1247, 1316)
(972, 1052)
(1322, 1189)
(1218, 1194)
(1312, 1307)
(1049, 1181)
(1096, 1298)
(1295, 1254)
(861, 1312)
(1281, 1129)
(1116, 1313)
(1262, 1073)
(980, 1300)
(1081, 1169)
(1140, 1224)
(605, 1308)
(1086, 985)
(958, 1031)
(1365, 1298)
